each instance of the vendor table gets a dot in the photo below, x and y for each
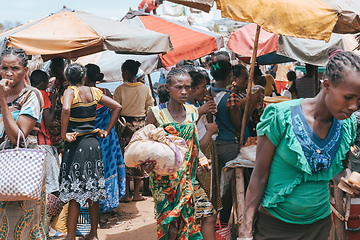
(238, 187)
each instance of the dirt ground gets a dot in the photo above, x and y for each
(129, 221)
(133, 220)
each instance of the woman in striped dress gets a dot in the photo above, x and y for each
(82, 172)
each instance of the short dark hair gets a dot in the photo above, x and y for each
(188, 68)
(222, 55)
(58, 62)
(38, 77)
(75, 73)
(196, 78)
(93, 73)
(257, 71)
(291, 75)
(163, 94)
(236, 69)
(206, 76)
(220, 70)
(132, 66)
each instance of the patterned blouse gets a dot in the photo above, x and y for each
(30, 104)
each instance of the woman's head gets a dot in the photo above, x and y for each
(198, 86)
(57, 66)
(13, 65)
(129, 70)
(178, 84)
(93, 73)
(39, 79)
(291, 76)
(257, 76)
(341, 84)
(75, 73)
(240, 76)
(220, 70)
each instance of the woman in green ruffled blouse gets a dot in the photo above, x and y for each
(302, 145)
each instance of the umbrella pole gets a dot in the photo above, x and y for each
(247, 103)
(239, 172)
(152, 89)
(69, 58)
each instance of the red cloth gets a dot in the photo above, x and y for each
(281, 85)
(43, 134)
(242, 41)
(149, 3)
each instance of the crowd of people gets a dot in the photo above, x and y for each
(302, 144)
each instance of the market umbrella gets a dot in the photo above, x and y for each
(188, 42)
(273, 48)
(73, 34)
(313, 19)
(110, 63)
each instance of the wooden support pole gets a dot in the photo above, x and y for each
(152, 89)
(339, 224)
(251, 77)
(240, 196)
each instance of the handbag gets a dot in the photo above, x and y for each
(222, 231)
(22, 172)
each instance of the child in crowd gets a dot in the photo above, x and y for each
(40, 80)
(174, 195)
(228, 120)
(207, 180)
(291, 76)
(240, 78)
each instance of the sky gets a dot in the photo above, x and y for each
(28, 10)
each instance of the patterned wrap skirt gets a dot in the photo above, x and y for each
(125, 133)
(82, 171)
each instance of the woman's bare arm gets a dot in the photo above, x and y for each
(258, 181)
(150, 119)
(65, 112)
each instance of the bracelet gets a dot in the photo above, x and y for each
(203, 161)
(250, 238)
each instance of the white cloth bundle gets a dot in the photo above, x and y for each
(153, 144)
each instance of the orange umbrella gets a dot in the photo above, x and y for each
(188, 42)
(74, 34)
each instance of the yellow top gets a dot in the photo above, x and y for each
(282, 70)
(135, 99)
(96, 93)
(269, 88)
